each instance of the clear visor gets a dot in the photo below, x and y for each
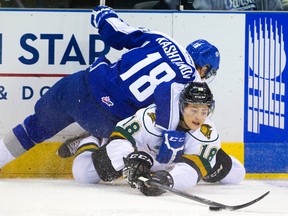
(210, 107)
(210, 75)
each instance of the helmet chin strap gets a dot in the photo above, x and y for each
(183, 126)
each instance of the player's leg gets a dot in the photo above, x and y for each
(100, 124)
(5, 155)
(49, 118)
(106, 163)
(227, 170)
(69, 147)
(91, 116)
(236, 173)
(83, 169)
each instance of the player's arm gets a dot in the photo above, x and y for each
(108, 160)
(192, 168)
(199, 158)
(189, 170)
(137, 165)
(186, 173)
(166, 97)
(114, 31)
(138, 129)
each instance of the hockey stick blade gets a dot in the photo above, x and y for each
(201, 199)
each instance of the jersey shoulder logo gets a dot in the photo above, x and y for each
(107, 101)
(152, 116)
(206, 130)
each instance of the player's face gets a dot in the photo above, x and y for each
(202, 72)
(195, 115)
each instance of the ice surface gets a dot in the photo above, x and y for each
(46, 197)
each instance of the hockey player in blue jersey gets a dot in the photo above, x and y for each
(103, 94)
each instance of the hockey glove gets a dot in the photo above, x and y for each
(137, 164)
(171, 147)
(100, 13)
(162, 177)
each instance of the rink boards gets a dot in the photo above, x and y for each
(43, 162)
(250, 89)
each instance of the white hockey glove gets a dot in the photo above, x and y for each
(101, 13)
(171, 147)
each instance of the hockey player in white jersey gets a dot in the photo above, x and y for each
(185, 156)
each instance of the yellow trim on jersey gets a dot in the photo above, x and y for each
(86, 147)
(198, 162)
(117, 134)
(123, 133)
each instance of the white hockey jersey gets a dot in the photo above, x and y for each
(200, 148)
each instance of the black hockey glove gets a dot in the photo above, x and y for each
(162, 177)
(137, 164)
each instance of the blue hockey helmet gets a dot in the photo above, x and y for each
(205, 54)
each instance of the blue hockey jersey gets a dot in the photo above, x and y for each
(153, 62)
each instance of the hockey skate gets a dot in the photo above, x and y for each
(70, 146)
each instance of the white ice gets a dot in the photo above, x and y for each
(46, 197)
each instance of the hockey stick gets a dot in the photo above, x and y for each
(215, 206)
(102, 2)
